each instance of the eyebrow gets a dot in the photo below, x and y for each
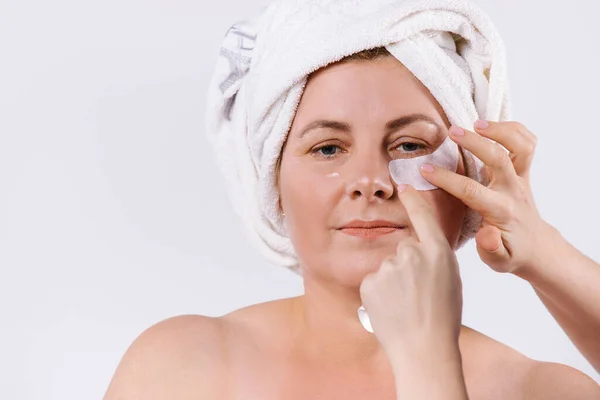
(391, 126)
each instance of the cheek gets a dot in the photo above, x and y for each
(307, 196)
(448, 210)
(309, 201)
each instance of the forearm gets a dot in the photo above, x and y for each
(568, 283)
(429, 373)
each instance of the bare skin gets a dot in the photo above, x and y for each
(314, 346)
(296, 371)
(247, 355)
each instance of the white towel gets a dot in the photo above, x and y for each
(451, 46)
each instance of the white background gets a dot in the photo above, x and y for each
(113, 216)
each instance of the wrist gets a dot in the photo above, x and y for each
(431, 371)
(550, 254)
(544, 242)
(424, 353)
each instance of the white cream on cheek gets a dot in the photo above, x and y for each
(333, 175)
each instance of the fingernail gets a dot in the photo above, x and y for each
(401, 187)
(456, 131)
(427, 167)
(481, 124)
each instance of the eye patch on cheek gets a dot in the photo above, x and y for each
(407, 171)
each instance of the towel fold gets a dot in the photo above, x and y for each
(451, 46)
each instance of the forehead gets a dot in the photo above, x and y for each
(366, 90)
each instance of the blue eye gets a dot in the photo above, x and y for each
(328, 147)
(412, 147)
(329, 150)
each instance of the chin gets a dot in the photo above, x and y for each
(351, 266)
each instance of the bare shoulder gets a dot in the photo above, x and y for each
(182, 357)
(554, 381)
(497, 371)
(492, 369)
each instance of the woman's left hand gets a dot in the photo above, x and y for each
(512, 232)
(414, 299)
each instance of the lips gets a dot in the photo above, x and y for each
(378, 223)
(372, 228)
(369, 232)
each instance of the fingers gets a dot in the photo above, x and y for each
(516, 138)
(475, 195)
(421, 217)
(497, 159)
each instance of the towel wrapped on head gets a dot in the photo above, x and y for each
(451, 46)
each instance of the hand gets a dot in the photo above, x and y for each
(512, 233)
(414, 300)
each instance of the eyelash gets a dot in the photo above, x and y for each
(314, 151)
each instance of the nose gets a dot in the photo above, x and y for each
(369, 177)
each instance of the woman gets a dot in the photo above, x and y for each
(314, 346)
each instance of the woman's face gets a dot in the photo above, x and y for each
(333, 174)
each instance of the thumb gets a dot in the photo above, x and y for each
(491, 248)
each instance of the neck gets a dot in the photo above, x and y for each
(329, 328)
